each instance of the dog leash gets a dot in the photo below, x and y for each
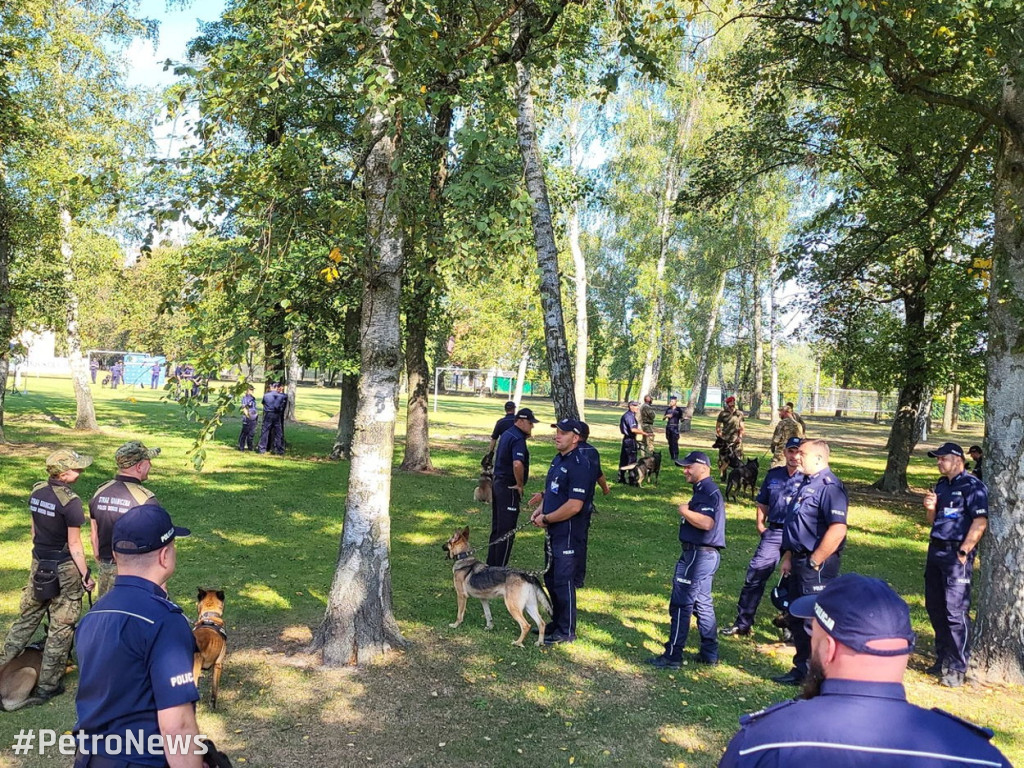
(503, 537)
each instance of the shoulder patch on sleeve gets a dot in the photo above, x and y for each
(64, 495)
(140, 494)
(37, 486)
(755, 716)
(103, 487)
(985, 733)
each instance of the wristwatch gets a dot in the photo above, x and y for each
(962, 552)
(544, 519)
(813, 564)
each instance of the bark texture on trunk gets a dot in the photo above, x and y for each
(6, 304)
(998, 654)
(582, 329)
(700, 379)
(294, 373)
(652, 359)
(85, 413)
(524, 361)
(563, 392)
(342, 448)
(757, 342)
(773, 337)
(359, 623)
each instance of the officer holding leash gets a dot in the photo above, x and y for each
(59, 573)
(958, 512)
(511, 471)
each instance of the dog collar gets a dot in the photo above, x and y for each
(211, 615)
(464, 555)
(218, 627)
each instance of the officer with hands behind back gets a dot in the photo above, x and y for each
(958, 512)
(511, 471)
(855, 711)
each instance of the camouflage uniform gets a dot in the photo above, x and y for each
(729, 424)
(647, 416)
(55, 508)
(785, 429)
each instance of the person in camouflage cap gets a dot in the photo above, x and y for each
(57, 517)
(112, 500)
(786, 428)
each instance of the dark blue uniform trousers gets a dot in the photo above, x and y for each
(561, 583)
(245, 438)
(270, 435)
(505, 504)
(691, 593)
(672, 436)
(947, 598)
(627, 455)
(807, 581)
(762, 565)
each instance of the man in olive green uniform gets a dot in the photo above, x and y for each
(113, 499)
(647, 416)
(57, 553)
(786, 428)
(729, 427)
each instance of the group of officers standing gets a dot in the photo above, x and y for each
(275, 406)
(801, 519)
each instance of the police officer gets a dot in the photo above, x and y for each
(629, 428)
(647, 415)
(249, 418)
(855, 711)
(112, 499)
(501, 425)
(977, 457)
(958, 512)
(772, 503)
(94, 367)
(702, 533)
(812, 541)
(283, 412)
(135, 655)
(593, 457)
(787, 428)
(673, 414)
(116, 372)
(511, 472)
(59, 573)
(274, 403)
(154, 375)
(565, 494)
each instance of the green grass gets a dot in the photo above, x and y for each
(266, 531)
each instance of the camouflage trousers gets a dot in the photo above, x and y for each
(106, 573)
(64, 611)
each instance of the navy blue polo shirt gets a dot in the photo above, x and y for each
(593, 458)
(511, 448)
(819, 501)
(502, 424)
(628, 423)
(568, 479)
(852, 724)
(776, 491)
(674, 413)
(959, 502)
(248, 406)
(707, 500)
(135, 653)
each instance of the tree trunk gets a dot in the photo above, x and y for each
(998, 655)
(652, 359)
(847, 382)
(294, 373)
(521, 375)
(947, 412)
(773, 338)
(582, 330)
(349, 387)
(273, 350)
(6, 303)
(85, 414)
(906, 425)
(563, 393)
(359, 622)
(955, 421)
(700, 379)
(757, 341)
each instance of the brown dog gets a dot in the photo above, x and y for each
(482, 492)
(211, 637)
(18, 677)
(522, 591)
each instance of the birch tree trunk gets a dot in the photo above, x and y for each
(700, 378)
(563, 392)
(757, 341)
(359, 622)
(998, 654)
(652, 358)
(294, 373)
(6, 304)
(342, 448)
(521, 376)
(773, 337)
(85, 414)
(582, 329)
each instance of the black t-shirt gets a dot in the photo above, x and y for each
(55, 508)
(111, 500)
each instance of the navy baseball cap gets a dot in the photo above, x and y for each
(947, 449)
(526, 413)
(694, 457)
(570, 425)
(794, 442)
(634, 402)
(510, 405)
(145, 529)
(857, 610)
(673, 397)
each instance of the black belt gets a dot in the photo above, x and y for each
(56, 555)
(701, 547)
(776, 526)
(943, 544)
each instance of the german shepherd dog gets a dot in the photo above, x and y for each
(19, 676)
(483, 486)
(727, 456)
(649, 467)
(211, 637)
(741, 476)
(521, 591)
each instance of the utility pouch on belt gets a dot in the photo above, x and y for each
(46, 581)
